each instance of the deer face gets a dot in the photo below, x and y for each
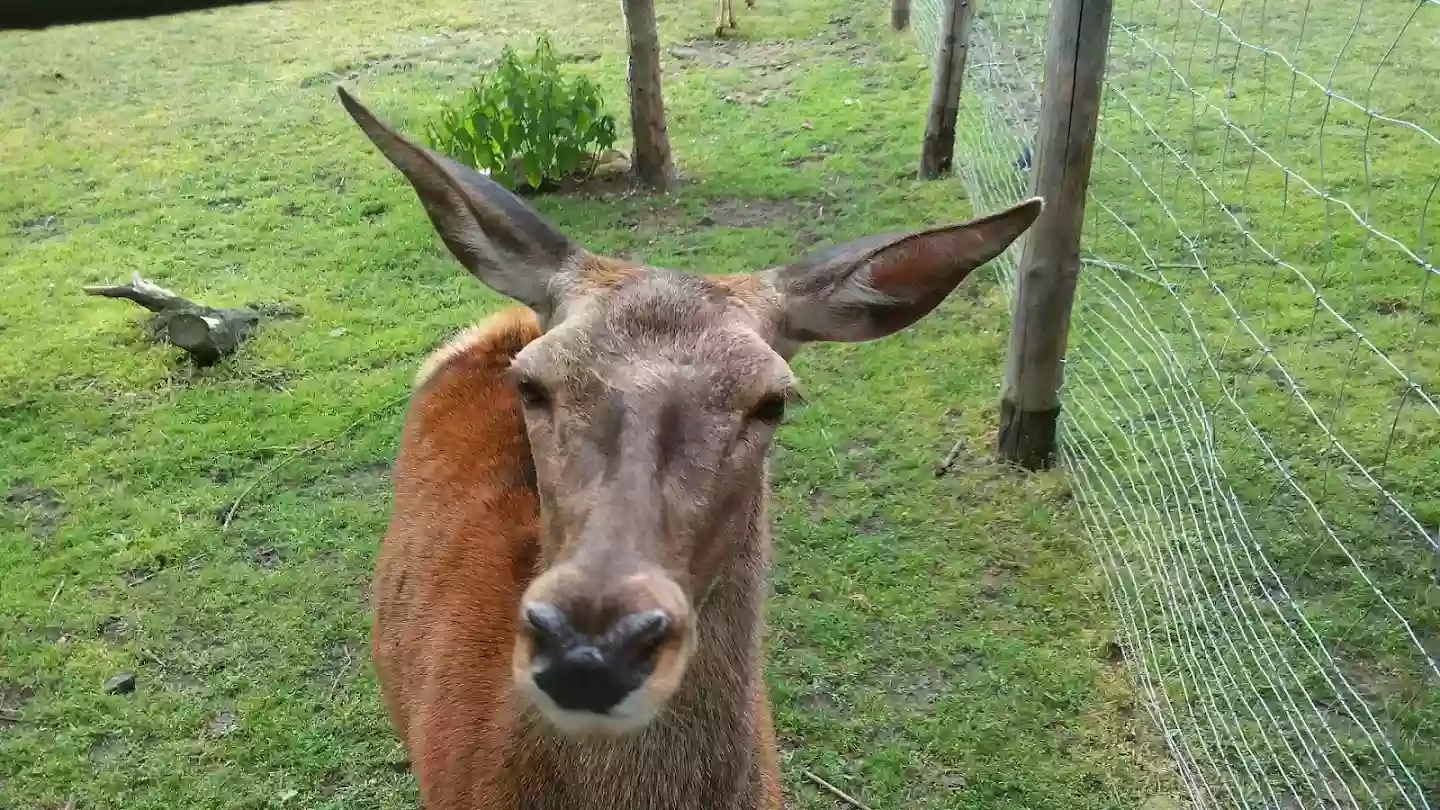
(650, 402)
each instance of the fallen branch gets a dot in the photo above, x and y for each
(205, 333)
(949, 461)
(344, 668)
(834, 791)
(56, 594)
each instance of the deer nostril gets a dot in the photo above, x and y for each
(636, 638)
(594, 675)
(549, 627)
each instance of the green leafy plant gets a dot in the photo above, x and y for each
(525, 124)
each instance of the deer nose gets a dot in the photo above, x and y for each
(593, 673)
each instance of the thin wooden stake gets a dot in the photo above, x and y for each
(937, 152)
(899, 14)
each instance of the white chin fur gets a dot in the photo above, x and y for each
(628, 717)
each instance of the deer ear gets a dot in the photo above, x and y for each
(501, 240)
(878, 285)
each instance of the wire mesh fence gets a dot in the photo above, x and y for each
(1251, 415)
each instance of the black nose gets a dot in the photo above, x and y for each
(587, 673)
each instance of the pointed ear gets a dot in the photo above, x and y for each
(878, 285)
(501, 240)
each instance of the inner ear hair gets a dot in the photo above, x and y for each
(875, 286)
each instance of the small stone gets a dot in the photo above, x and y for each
(1113, 653)
(122, 684)
(337, 332)
(685, 53)
(222, 724)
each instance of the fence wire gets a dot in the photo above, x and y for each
(1251, 388)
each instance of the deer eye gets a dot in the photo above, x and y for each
(532, 393)
(770, 410)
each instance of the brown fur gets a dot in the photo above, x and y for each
(595, 274)
(462, 547)
(726, 19)
(628, 482)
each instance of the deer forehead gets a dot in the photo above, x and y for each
(656, 331)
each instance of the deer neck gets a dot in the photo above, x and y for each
(701, 751)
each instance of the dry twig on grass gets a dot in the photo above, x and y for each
(834, 791)
(304, 451)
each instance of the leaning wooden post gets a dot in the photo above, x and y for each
(652, 162)
(947, 75)
(899, 14)
(1078, 39)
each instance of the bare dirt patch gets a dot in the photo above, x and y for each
(763, 56)
(222, 724)
(817, 504)
(40, 228)
(107, 749)
(995, 580)
(37, 510)
(751, 213)
(114, 629)
(13, 700)
(225, 205)
(266, 558)
(377, 65)
(366, 479)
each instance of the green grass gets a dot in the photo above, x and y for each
(1380, 57)
(935, 642)
(1238, 536)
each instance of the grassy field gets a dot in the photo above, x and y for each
(936, 642)
(1253, 374)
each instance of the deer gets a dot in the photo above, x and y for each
(726, 19)
(568, 603)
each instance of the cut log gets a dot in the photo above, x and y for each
(205, 333)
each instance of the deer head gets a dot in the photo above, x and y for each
(650, 401)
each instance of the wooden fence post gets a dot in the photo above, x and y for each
(1077, 41)
(651, 161)
(946, 78)
(899, 14)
